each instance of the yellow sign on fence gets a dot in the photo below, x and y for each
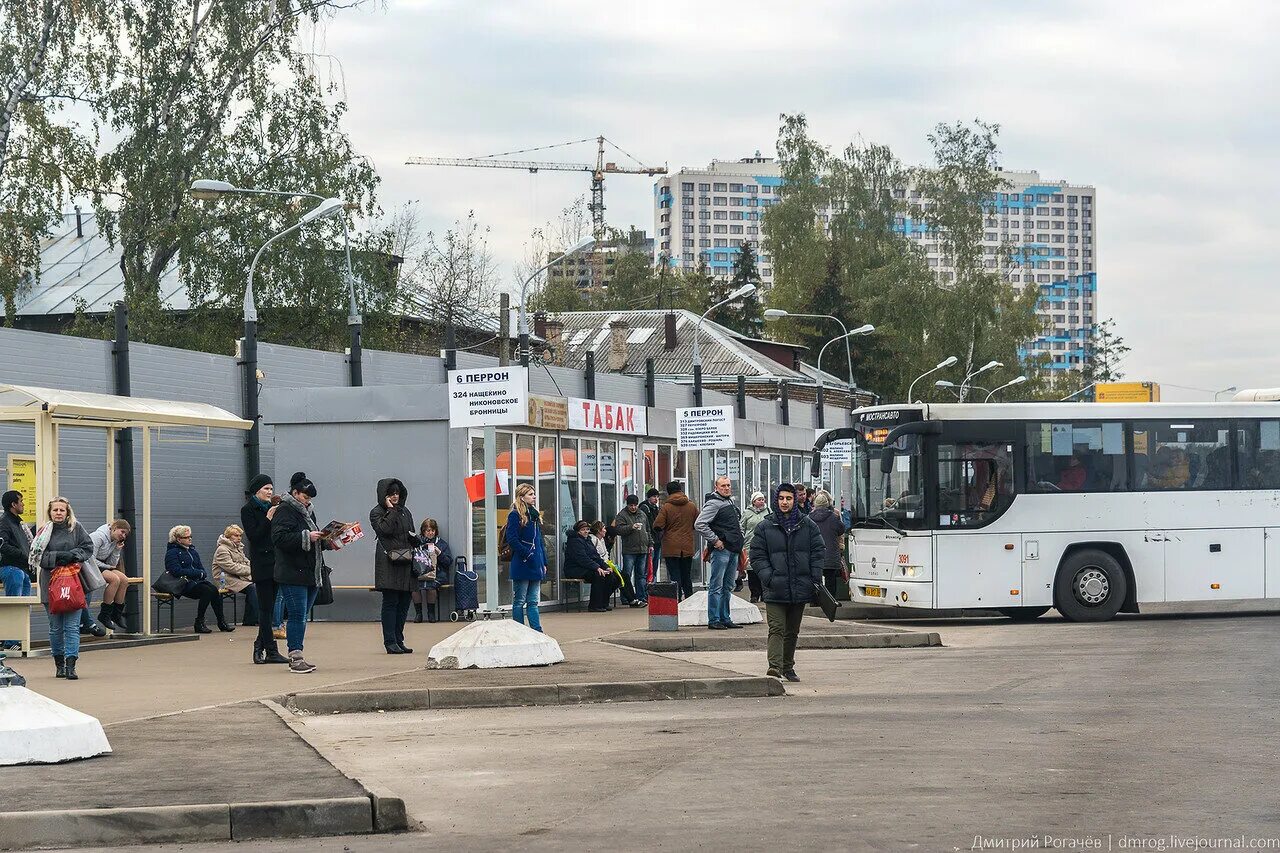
(1127, 392)
(22, 479)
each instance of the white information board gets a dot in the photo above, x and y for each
(706, 428)
(491, 396)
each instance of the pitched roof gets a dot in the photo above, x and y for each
(722, 350)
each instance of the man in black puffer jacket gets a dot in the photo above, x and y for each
(787, 554)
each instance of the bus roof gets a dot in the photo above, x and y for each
(1053, 411)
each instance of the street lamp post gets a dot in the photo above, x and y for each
(580, 246)
(947, 362)
(990, 365)
(745, 290)
(861, 330)
(954, 388)
(212, 190)
(1018, 381)
(1228, 390)
(778, 314)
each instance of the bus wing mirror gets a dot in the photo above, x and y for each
(815, 467)
(913, 428)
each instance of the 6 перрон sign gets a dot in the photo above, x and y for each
(494, 396)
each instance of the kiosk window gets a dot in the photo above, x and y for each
(1076, 457)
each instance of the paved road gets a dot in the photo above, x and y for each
(1146, 727)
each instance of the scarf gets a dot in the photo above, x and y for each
(38, 544)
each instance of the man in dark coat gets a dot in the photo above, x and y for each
(393, 525)
(787, 553)
(255, 520)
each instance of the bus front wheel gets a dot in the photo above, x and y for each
(1090, 586)
(1024, 614)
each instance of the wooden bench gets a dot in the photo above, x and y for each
(15, 619)
(164, 599)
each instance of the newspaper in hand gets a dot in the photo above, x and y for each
(342, 532)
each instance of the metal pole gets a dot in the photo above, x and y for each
(589, 374)
(355, 361)
(504, 339)
(249, 379)
(491, 519)
(822, 404)
(697, 384)
(124, 465)
(742, 396)
(650, 384)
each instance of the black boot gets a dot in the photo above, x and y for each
(272, 654)
(202, 628)
(433, 614)
(117, 616)
(259, 654)
(71, 670)
(417, 612)
(60, 662)
(225, 626)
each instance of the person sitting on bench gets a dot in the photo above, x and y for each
(583, 562)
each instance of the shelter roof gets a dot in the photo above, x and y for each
(17, 401)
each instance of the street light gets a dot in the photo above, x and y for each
(947, 362)
(988, 366)
(1010, 383)
(207, 189)
(1231, 390)
(861, 330)
(954, 388)
(778, 314)
(580, 246)
(745, 290)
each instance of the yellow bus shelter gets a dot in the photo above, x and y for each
(50, 410)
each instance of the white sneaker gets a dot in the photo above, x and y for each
(298, 665)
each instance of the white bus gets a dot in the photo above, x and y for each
(1090, 508)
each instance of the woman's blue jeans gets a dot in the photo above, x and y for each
(298, 599)
(524, 596)
(64, 633)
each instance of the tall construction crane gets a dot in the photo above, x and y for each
(598, 171)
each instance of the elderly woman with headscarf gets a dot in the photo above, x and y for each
(751, 516)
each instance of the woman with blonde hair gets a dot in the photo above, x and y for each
(182, 560)
(231, 570)
(523, 535)
(61, 542)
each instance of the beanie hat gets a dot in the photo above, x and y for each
(256, 484)
(784, 487)
(757, 496)
(295, 479)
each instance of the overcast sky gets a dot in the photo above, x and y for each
(1168, 108)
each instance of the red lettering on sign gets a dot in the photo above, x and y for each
(608, 416)
(631, 419)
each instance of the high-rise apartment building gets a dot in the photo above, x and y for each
(1038, 234)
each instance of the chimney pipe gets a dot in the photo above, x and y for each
(553, 334)
(540, 324)
(672, 340)
(79, 223)
(618, 330)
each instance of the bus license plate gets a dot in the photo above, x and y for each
(875, 592)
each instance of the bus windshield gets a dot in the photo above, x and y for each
(894, 499)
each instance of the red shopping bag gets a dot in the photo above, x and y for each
(66, 595)
(649, 567)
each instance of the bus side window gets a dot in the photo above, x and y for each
(1076, 457)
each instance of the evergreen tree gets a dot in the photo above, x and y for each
(743, 315)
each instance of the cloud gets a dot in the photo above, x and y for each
(1164, 106)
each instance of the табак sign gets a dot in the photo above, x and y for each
(706, 428)
(600, 416)
(489, 396)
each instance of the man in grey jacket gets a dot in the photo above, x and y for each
(632, 527)
(720, 524)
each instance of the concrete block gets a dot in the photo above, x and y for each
(621, 691)
(301, 818)
(730, 688)
(494, 697)
(34, 729)
(389, 813)
(693, 610)
(111, 827)
(493, 644)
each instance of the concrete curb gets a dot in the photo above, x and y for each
(119, 641)
(719, 643)
(187, 823)
(438, 698)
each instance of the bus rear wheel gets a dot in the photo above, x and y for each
(1024, 614)
(1090, 586)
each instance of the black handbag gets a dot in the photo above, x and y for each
(399, 555)
(824, 599)
(169, 584)
(325, 593)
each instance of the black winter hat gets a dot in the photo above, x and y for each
(303, 485)
(257, 483)
(295, 479)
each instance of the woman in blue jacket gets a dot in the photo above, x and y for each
(183, 561)
(523, 535)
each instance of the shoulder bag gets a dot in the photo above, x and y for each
(325, 594)
(91, 576)
(169, 584)
(66, 595)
